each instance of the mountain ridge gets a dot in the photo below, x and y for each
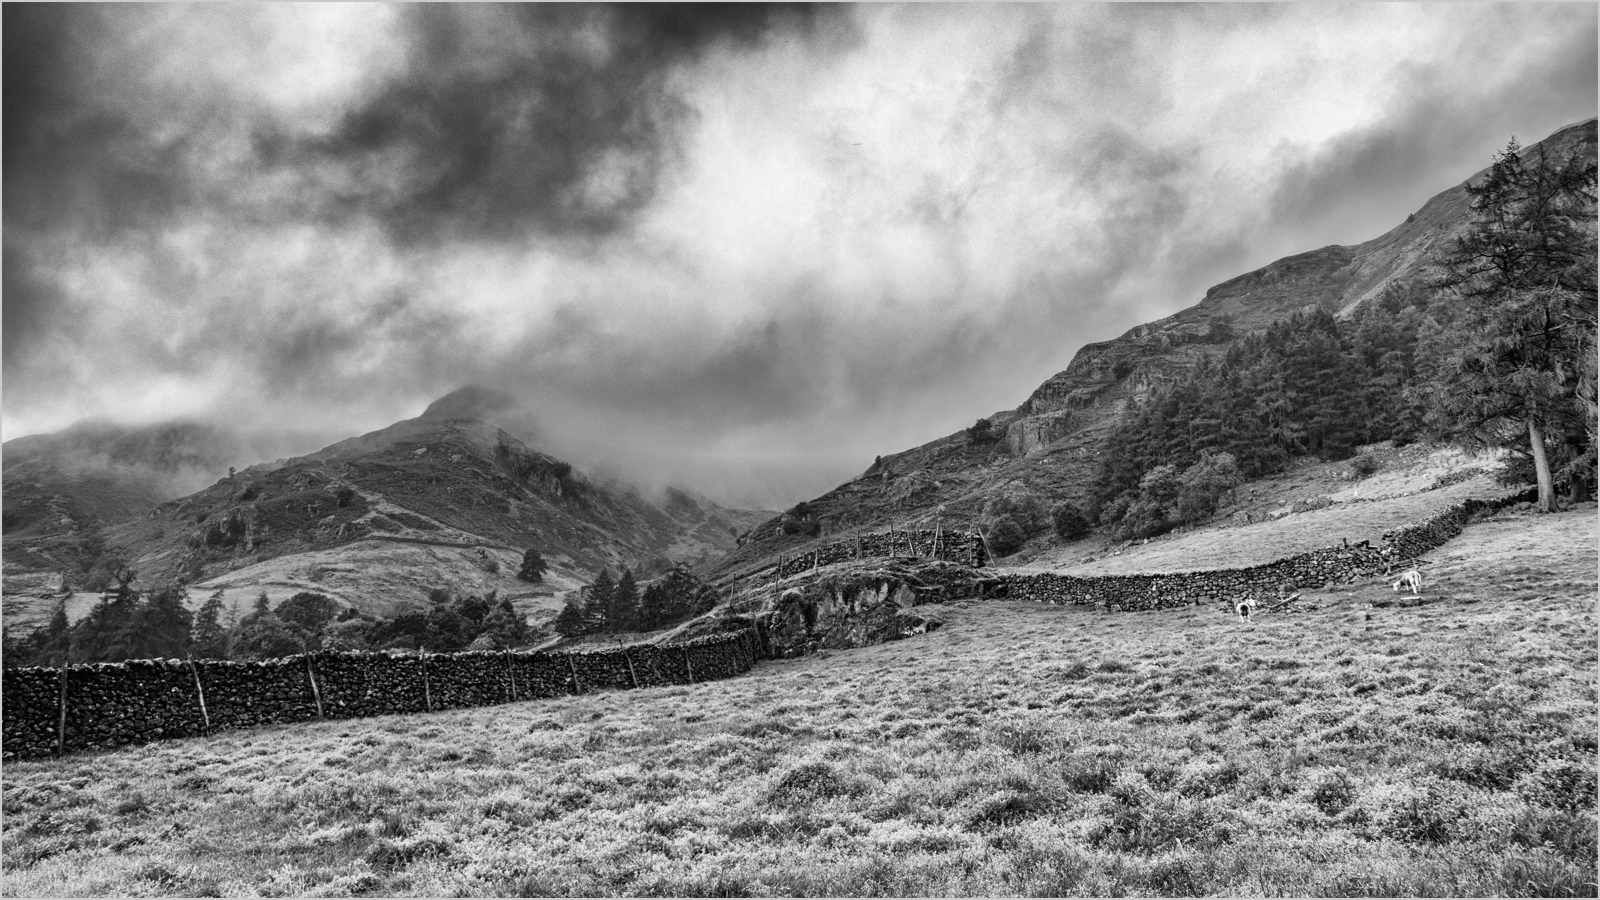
(1049, 443)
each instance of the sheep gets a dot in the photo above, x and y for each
(1411, 579)
(1245, 608)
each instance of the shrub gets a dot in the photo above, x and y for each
(1006, 536)
(1364, 465)
(982, 432)
(1069, 521)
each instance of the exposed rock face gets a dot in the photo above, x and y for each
(1034, 433)
(846, 606)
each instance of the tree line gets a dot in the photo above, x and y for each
(131, 624)
(617, 604)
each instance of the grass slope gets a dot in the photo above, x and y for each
(1367, 747)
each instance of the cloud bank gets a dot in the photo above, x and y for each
(742, 249)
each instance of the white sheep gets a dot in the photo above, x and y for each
(1411, 579)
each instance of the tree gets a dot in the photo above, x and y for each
(1204, 484)
(160, 628)
(571, 621)
(624, 609)
(533, 566)
(1069, 521)
(266, 637)
(1524, 275)
(982, 432)
(674, 597)
(308, 611)
(597, 602)
(1006, 535)
(208, 638)
(504, 626)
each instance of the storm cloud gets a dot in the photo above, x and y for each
(740, 248)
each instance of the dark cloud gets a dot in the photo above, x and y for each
(28, 303)
(528, 119)
(742, 247)
(71, 160)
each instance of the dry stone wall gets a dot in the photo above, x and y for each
(964, 547)
(45, 712)
(1333, 564)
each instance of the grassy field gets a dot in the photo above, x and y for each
(1222, 545)
(1371, 746)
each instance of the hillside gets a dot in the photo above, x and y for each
(1050, 445)
(1368, 745)
(60, 489)
(382, 518)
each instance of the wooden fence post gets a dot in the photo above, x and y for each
(686, 666)
(631, 673)
(511, 676)
(316, 692)
(200, 692)
(61, 726)
(571, 667)
(427, 688)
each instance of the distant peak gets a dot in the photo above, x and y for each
(471, 402)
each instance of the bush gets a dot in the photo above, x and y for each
(982, 432)
(1364, 465)
(1069, 521)
(1006, 535)
(1024, 508)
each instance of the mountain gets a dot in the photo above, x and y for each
(1050, 444)
(60, 489)
(439, 501)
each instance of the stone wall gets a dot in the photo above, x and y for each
(109, 705)
(964, 547)
(1343, 564)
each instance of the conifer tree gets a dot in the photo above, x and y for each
(208, 636)
(597, 606)
(571, 621)
(624, 608)
(1524, 276)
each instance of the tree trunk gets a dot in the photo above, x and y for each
(1579, 487)
(1541, 467)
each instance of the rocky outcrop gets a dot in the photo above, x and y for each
(1034, 433)
(848, 607)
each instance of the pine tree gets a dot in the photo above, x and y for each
(571, 621)
(208, 637)
(1524, 275)
(597, 605)
(533, 566)
(505, 626)
(624, 607)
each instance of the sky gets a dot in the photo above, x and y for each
(738, 249)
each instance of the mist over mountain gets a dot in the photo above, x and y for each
(743, 250)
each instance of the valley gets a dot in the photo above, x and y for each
(1366, 744)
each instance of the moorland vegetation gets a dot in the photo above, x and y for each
(1374, 745)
